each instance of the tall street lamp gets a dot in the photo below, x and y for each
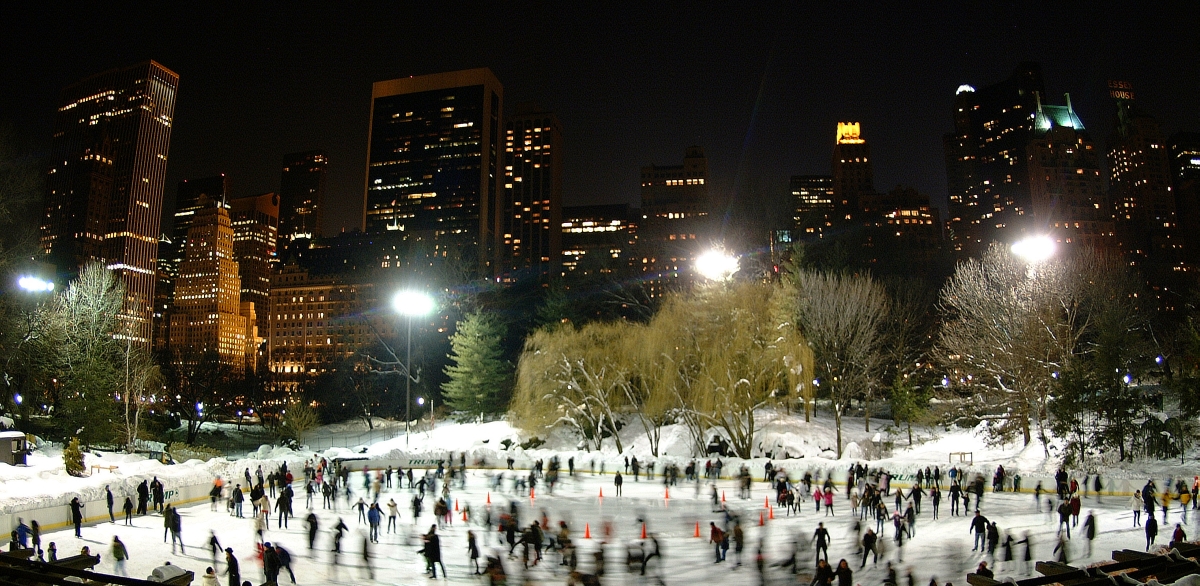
(1034, 249)
(717, 265)
(410, 304)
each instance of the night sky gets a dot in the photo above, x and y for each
(761, 87)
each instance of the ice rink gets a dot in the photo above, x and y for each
(941, 548)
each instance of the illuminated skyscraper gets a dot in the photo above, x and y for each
(1066, 189)
(853, 176)
(171, 249)
(674, 217)
(530, 235)
(1142, 195)
(105, 186)
(255, 222)
(302, 195)
(986, 163)
(208, 315)
(434, 154)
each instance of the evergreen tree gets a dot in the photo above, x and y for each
(73, 458)
(479, 379)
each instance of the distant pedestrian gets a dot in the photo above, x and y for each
(1151, 531)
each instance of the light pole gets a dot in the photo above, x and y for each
(717, 265)
(1034, 249)
(410, 304)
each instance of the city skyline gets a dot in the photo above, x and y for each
(758, 89)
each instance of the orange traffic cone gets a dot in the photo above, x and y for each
(771, 514)
(766, 502)
(489, 501)
(464, 515)
(531, 497)
(643, 530)
(668, 494)
(722, 496)
(761, 520)
(697, 529)
(601, 493)
(456, 504)
(587, 531)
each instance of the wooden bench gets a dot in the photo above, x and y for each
(21, 554)
(184, 579)
(111, 469)
(77, 562)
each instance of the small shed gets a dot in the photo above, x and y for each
(12, 448)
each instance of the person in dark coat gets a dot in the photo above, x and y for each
(433, 551)
(821, 538)
(231, 568)
(983, 570)
(270, 564)
(845, 576)
(108, 497)
(143, 494)
(1151, 531)
(868, 544)
(312, 528)
(823, 575)
(77, 515)
(285, 561)
(128, 508)
(1089, 530)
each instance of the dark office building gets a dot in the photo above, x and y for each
(1184, 152)
(104, 192)
(812, 200)
(672, 233)
(255, 222)
(530, 214)
(986, 160)
(598, 238)
(1184, 160)
(434, 154)
(302, 195)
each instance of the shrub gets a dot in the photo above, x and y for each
(73, 458)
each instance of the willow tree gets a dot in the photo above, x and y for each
(571, 377)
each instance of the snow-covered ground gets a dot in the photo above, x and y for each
(941, 547)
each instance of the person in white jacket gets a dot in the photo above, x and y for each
(209, 578)
(1135, 503)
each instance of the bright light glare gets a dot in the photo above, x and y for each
(715, 265)
(412, 303)
(420, 400)
(35, 285)
(1034, 248)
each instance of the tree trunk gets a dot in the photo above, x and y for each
(837, 421)
(910, 432)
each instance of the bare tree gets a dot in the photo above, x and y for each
(1011, 327)
(843, 317)
(141, 377)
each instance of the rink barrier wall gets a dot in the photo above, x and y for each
(59, 516)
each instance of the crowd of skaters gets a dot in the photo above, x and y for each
(868, 492)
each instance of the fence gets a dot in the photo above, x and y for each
(351, 439)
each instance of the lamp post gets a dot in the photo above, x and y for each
(717, 265)
(1034, 249)
(410, 304)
